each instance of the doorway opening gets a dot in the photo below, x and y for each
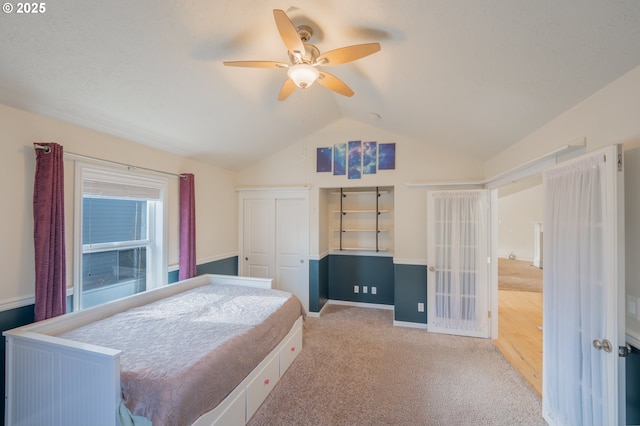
(520, 263)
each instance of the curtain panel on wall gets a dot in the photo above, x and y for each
(187, 227)
(48, 232)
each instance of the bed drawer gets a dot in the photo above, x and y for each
(259, 388)
(290, 350)
(234, 411)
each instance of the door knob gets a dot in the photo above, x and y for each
(246, 258)
(432, 268)
(301, 260)
(603, 345)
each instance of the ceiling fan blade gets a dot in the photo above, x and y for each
(347, 54)
(256, 64)
(287, 88)
(288, 32)
(332, 82)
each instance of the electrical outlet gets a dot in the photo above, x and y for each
(374, 290)
(356, 289)
(365, 289)
(420, 307)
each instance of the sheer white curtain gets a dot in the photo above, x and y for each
(574, 229)
(461, 265)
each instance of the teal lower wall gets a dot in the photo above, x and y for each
(228, 266)
(633, 387)
(347, 271)
(318, 283)
(410, 289)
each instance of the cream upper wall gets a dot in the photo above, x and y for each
(415, 162)
(607, 117)
(216, 211)
(517, 213)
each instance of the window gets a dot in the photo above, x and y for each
(120, 243)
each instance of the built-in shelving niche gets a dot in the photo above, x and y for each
(361, 220)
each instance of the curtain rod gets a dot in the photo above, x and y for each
(47, 150)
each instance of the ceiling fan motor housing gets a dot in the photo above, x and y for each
(310, 55)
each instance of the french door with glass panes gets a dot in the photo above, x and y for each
(584, 312)
(457, 262)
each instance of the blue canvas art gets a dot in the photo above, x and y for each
(323, 160)
(340, 159)
(355, 160)
(369, 151)
(386, 156)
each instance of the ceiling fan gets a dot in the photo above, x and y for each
(306, 58)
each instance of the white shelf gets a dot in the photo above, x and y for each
(361, 230)
(360, 252)
(360, 192)
(361, 211)
(358, 221)
(373, 249)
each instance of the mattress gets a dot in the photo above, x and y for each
(184, 354)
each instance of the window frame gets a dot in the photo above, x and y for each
(157, 222)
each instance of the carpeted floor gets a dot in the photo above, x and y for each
(356, 368)
(518, 275)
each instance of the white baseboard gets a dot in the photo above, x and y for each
(411, 325)
(359, 304)
(372, 306)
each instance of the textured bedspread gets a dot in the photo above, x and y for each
(184, 354)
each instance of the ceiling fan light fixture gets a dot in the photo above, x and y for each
(303, 75)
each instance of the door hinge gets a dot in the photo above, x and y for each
(489, 314)
(624, 351)
(619, 162)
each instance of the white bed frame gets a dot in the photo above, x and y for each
(59, 382)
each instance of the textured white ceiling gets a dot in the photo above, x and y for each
(472, 75)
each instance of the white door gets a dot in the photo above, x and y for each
(583, 376)
(275, 239)
(259, 230)
(292, 245)
(457, 260)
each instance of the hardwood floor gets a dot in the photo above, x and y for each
(519, 335)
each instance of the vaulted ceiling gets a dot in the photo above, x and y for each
(471, 75)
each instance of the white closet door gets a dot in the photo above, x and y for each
(275, 239)
(292, 248)
(259, 237)
(458, 253)
(583, 376)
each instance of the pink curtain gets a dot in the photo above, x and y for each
(187, 227)
(48, 232)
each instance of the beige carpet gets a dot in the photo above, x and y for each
(356, 368)
(519, 275)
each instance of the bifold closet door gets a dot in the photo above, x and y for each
(259, 226)
(275, 243)
(292, 242)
